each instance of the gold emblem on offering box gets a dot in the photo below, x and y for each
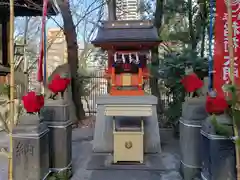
(128, 144)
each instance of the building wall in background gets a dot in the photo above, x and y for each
(56, 54)
(127, 9)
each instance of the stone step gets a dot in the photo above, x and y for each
(152, 162)
(135, 175)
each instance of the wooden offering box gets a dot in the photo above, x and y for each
(128, 140)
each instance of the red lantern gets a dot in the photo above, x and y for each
(33, 102)
(191, 83)
(58, 84)
(216, 105)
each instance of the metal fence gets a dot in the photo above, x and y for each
(94, 84)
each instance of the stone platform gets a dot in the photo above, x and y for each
(143, 107)
(167, 165)
(152, 162)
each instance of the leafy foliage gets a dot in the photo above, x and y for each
(183, 31)
(5, 117)
(171, 70)
(219, 128)
(234, 112)
(4, 90)
(62, 175)
(84, 79)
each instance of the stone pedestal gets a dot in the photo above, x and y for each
(218, 151)
(193, 114)
(57, 117)
(103, 134)
(30, 149)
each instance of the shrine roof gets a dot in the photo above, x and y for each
(126, 31)
(4, 70)
(27, 7)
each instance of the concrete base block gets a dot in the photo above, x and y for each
(103, 135)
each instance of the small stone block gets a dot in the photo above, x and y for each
(55, 110)
(60, 137)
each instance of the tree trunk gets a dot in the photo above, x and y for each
(25, 59)
(111, 4)
(191, 29)
(72, 49)
(204, 13)
(155, 60)
(154, 84)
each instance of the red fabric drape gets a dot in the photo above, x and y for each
(216, 105)
(40, 60)
(33, 102)
(191, 82)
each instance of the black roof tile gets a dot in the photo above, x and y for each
(126, 31)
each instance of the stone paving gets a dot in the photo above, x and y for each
(3, 160)
(82, 145)
(82, 152)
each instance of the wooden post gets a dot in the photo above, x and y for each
(231, 55)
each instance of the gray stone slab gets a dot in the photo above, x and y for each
(4, 143)
(55, 111)
(134, 175)
(3, 168)
(82, 155)
(4, 139)
(173, 175)
(85, 134)
(108, 99)
(152, 162)
(122, 175)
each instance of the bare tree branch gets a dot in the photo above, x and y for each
(88, 12)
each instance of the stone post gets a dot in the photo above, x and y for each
(193, 114)
(218, 151)
(56, 115)
(30, 149)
